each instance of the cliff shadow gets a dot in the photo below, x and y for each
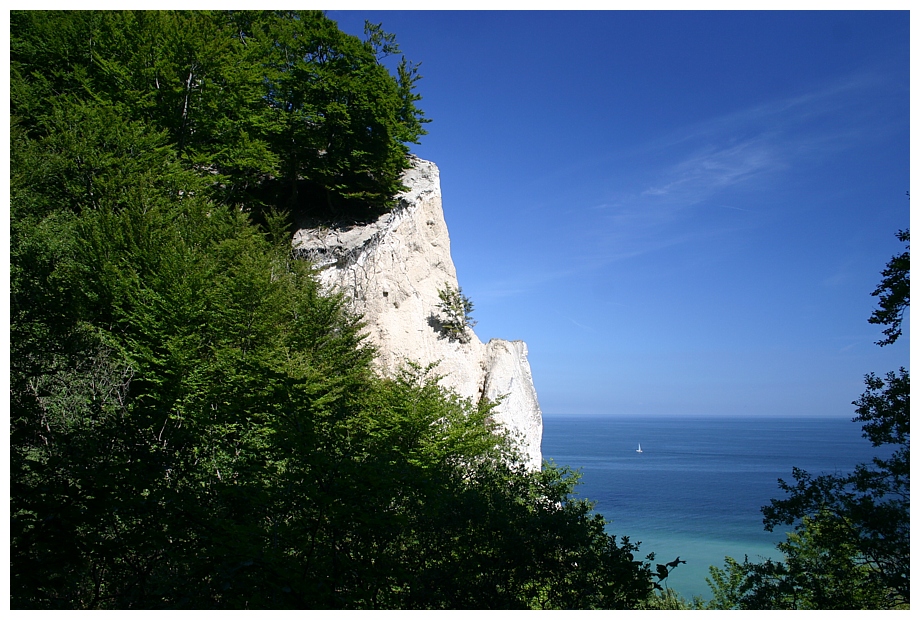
(448, 331)
(435, 323)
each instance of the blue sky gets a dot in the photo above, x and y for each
(679, 212)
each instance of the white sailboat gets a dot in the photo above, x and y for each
(640, 448)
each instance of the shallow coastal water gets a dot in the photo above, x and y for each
(696, 489)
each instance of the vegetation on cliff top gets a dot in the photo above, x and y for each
(193, 424)
(273, 107)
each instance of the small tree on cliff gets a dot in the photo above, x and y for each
(455, 308)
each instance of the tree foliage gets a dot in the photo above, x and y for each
(893, 293)
(850, 548)
(193, 422)
(455, 309)
(278, 107)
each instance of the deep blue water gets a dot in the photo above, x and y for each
(696, 489)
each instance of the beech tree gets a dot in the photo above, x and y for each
(338, 119)
(275, 107)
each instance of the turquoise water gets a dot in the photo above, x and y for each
(696, 489)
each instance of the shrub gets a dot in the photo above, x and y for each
(455, 307)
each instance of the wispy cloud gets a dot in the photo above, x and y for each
(710, 169)
(668, 191)
(742, 146)
(781, 115)
(674, 178)
(585, 327)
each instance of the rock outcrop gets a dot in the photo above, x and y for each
(391, 271)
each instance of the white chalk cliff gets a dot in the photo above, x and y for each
(391, 271)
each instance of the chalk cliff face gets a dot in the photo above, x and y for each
(391, 271)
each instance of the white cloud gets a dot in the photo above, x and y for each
(664, 193)
(656, 202)
(712, 168)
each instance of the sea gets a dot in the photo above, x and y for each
(696, 489)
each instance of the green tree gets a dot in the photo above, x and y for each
(893, 293)
(820, 570)
(339, 120)
(850, 548)
(193, 422)
(455, 309)
(263, 104)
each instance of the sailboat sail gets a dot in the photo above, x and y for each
(640, 448)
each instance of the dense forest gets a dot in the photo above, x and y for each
(194, 423)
